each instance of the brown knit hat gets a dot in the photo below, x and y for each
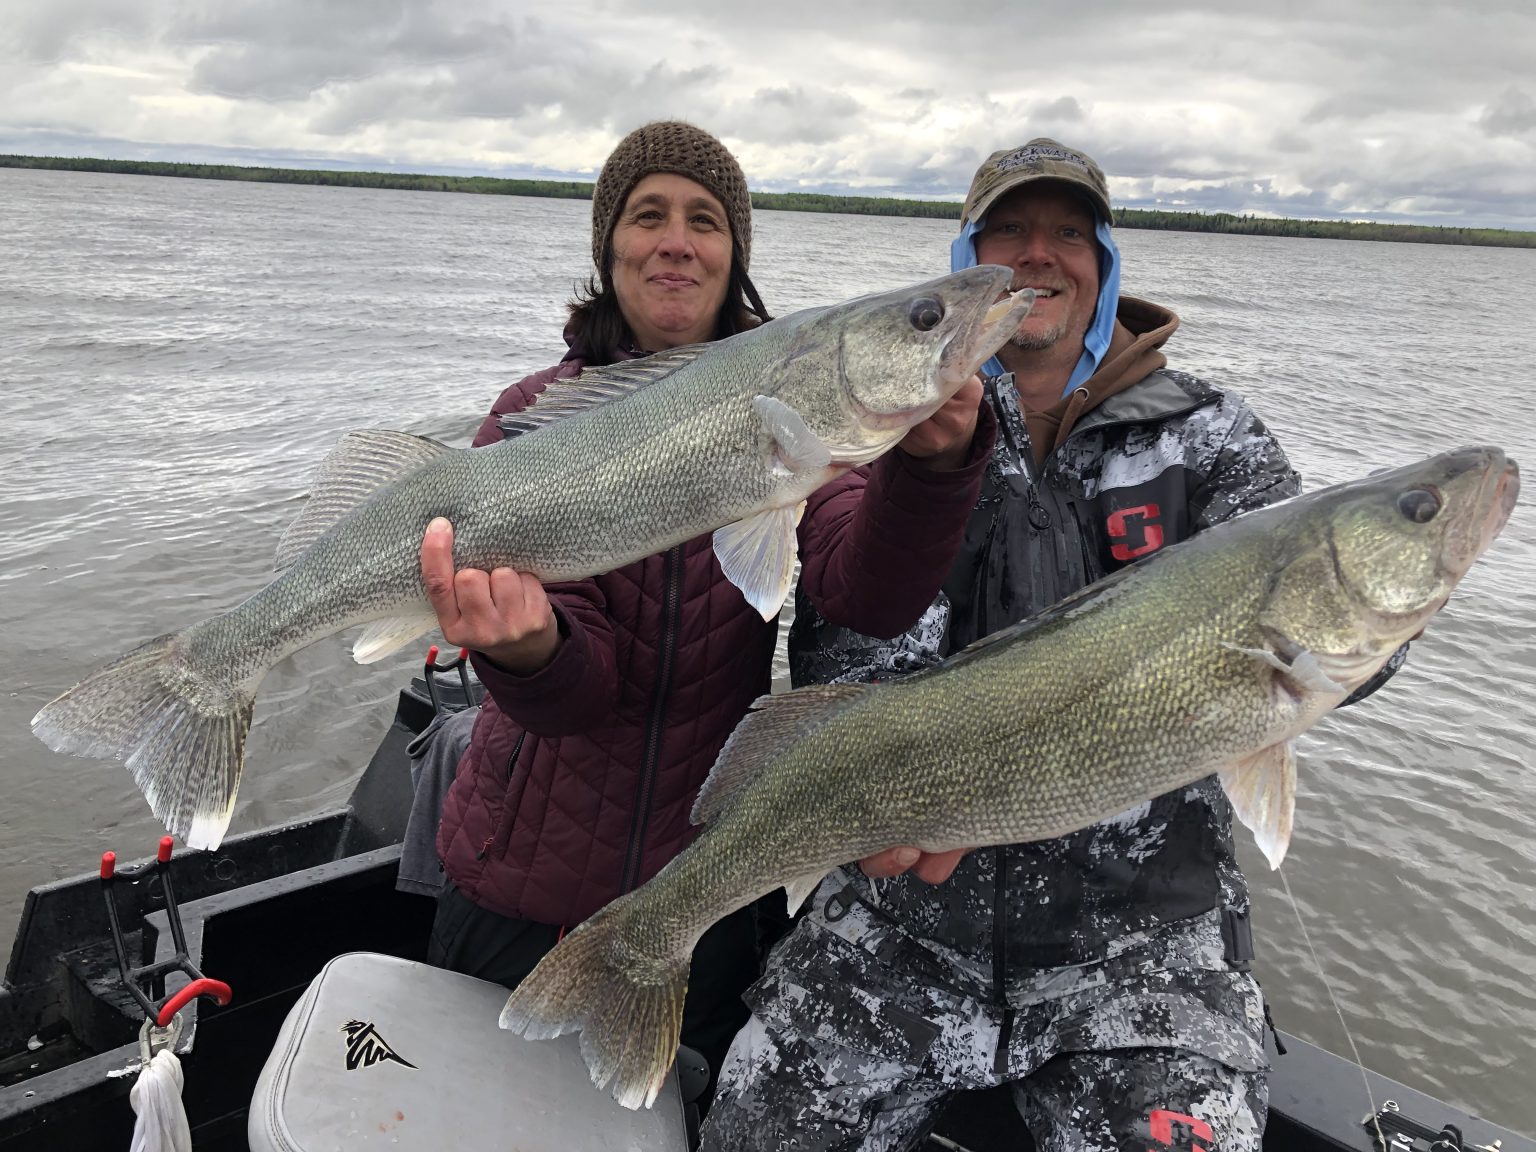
(670, 146)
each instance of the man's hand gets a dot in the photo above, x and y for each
(502, 614)
(944, 439)
(934, 867)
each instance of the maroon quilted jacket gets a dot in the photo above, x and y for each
(579, 778)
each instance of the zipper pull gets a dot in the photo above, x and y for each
(1039, 515)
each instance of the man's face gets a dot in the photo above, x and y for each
(1044, 233)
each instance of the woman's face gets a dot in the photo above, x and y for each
(671, 261)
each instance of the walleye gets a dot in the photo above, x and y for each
(1207, 657)
(621, 463)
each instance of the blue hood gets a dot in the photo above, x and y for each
(962, 254)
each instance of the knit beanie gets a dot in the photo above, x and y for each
(670, 146)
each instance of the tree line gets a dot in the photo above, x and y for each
(1159, 219)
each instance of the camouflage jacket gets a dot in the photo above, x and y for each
(1165, 457)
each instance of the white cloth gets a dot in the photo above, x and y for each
(156, 1098)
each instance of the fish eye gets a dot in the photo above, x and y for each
(1421, 505)
(925, 314)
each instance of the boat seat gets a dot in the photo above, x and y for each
(388, 1053)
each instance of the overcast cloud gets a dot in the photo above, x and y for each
(1370, 109)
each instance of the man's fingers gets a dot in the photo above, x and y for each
(891, 862)
(933, 867)
(937, 867)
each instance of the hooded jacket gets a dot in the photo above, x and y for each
(1135, 458)
(580, 778)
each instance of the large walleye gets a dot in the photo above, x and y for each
(1208, 657)
(621, 463)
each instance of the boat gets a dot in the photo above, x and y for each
(268, 910)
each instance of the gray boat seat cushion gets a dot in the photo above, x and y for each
(387, 1053)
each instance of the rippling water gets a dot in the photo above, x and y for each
(176, 355)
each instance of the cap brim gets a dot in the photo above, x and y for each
(1081, 187)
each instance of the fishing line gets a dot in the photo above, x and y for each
(1332, 999)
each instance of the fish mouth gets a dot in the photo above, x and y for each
(989, 328)
(1496, 496)
(1505, 485)
(1506, 491)
(1002, 320)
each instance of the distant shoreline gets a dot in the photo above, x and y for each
(1156, 219)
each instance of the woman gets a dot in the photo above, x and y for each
(607, 699)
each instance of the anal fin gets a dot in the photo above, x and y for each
(383, 637)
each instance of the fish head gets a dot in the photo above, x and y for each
(1392, 548)
(896, 357)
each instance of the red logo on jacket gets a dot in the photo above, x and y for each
(1135, 531)
(1176, 1130)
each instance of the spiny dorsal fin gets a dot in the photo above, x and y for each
(596, 386)
(361, 463)
(774, 723)
(1083, 599)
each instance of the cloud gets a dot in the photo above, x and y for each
(1309, 107)
(1512, 114)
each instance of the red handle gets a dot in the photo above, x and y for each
(164, 855)
(432, 655)
(108, 865)
(463, 653)
(204, 987)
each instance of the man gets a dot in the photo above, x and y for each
(1104, 974)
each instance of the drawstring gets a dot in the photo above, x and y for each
(1273, 1031)
(1075, 408)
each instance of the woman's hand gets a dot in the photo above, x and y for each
(501, 614)
(944, 439)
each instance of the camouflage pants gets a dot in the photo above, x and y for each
(857, 1039)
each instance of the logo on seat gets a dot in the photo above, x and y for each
(365, 1047)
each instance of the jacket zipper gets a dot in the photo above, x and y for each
(666, 655)
(501, 814)
(1000, 959)
(1039, 516)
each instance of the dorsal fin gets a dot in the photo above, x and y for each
(597, 386)
(774, 723)
(361, 463)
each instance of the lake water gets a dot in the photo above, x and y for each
(177, 355)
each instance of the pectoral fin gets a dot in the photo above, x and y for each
(799, 447)
(758, 556)
(1262, 788)
(1303, 669)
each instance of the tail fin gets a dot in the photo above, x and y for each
(629, 1014)
(181, 734)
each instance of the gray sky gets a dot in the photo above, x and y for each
(1371, 109)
